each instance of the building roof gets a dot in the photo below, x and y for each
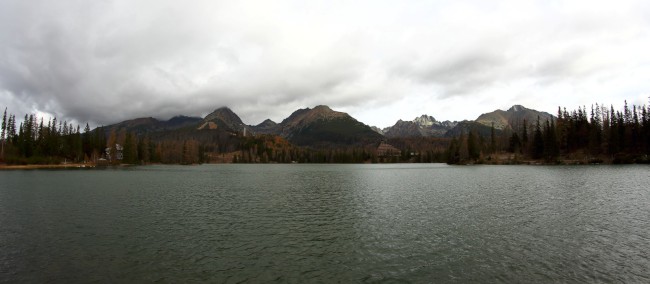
(386, 149)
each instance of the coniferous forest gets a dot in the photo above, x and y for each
(596, 135)
(35, 141)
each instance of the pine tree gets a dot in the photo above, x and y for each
(40, 143)
(524, 135)
(144, 152)
(636, 128)
(514, 144)
(3, 134)
(453, 153)
(472, 147)
(77, 145)
(595, 131)
(493, 139)
(621, 131)
(21, 140)
(613, 143)
(627, 119)
(11, 130)
(537, 149)
(86, 144)
(27, 137)
(130, 150)
(645, 129)
(551, 149)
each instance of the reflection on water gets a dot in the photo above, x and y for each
(326, 223)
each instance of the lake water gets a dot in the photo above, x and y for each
(326, 223)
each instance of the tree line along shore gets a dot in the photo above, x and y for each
(596, 136)
(599, 135)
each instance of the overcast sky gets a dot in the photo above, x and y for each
(380, 61)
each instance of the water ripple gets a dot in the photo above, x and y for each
(326, 223)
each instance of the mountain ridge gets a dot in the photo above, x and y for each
(512, 117)
(311, 126)
(225, 117)
(422, 126)
(324, 126)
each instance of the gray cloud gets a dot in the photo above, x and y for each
(109, 61)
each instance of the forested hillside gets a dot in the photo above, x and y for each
(599, 135)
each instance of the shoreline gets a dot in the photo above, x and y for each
(50, 166)
(511, 163)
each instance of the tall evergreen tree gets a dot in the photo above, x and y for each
(514, 144)
(130, 149)
(453, 154)
(645, 130)
(537, 149)
(493, 139)
(627, 115)
(472, 146)
(551, 149)
(524, 134)
(4, 133)
(11, 129)
(635, 131)
(86, 144)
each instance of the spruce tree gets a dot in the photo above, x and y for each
(130, 149)
(524, 135)
(537, 149)
(453, 153)
(11, 129)
(472, 147)
(3, 134)
(4, 126)
(86, 145)
(493, 140)
(550, 141)
(514, 144)
(636, 128)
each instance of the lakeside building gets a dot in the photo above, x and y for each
(387, 150)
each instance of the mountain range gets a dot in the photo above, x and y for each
(322, 126)
(428, 126)
(423, 126)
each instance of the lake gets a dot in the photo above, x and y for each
(397, 223)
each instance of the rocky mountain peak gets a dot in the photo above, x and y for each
(516, 108)
(322, 108)
(403, 129)
(307, 115)
(424, 120)
(226, 116)
(322, 125)
(267, 123)
(515, 115)
(222, 112)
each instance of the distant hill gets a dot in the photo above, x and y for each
(377, 129)
(512, 117)
(423, 126)
(502, 120)
(404, 129)
(266, 127)
(466, 126)
(223, 118)
(150, 124)
(321, 126)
